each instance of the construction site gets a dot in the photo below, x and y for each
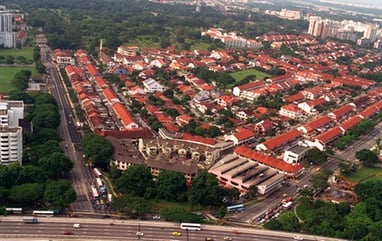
(340, 190)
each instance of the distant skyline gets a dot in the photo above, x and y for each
(368, 3)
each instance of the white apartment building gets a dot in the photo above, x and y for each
(11, 144)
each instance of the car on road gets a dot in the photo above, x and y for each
(76, 225)
(176, 234)
(209, 239)
(298, 238)
(228, 238)
(68, 232)
(139, 234)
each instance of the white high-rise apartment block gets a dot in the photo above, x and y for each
(371, 33)
(6, 22)
(11, 138)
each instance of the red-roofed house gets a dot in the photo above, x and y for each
(296, 98)
(318, 124)
(343, 112)
(226, 101)
(278, 141)
(310, 106)
(199, 140)
(110, 96)
(124, 115)
(263, 126)
(92, 70)
(353, 121)
(183, 120)
(325, 138)
(240, 137)
(290, 111)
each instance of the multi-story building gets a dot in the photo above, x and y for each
(11, 145)
(370, 33)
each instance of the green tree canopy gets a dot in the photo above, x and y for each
(136, 180)
(56, 164)
(28, 193)
(175, 214)
(60, 193)
(367, 157)
(171, 185)
(98, 149)
(315, 156)
(205, 190)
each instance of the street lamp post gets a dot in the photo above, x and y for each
(187, 235)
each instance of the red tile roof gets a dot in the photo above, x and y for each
(251, 85)
(329, 135)
(110, 95)
(123, 114)
(368, 112)
(355, 120)
(342, 111)
(268, 160)
(92, 69)
(198, 139)
(317, 123)
(282, 139)
(243, 134)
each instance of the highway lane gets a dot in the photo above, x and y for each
(99, 229)
(80, 175)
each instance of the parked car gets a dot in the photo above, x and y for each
(298, 238)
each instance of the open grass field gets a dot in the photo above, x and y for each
(162, 204)
(6, 76)
(27, 52)
(244, 73)
(366, 174)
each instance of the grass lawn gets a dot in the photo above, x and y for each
(366, 174)
(162, 204)
(242, 74)
(6, 76)
(27, 52)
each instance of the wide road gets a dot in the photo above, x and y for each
(80, 175)
(100, 229)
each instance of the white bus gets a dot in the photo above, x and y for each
(43, 213)
(97, 172)
(94, 192)
(99, 182)
(14, 210)
(191, 226)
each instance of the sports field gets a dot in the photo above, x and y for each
(242, 74)
(26, 52)
(366, 174)
(6, 76)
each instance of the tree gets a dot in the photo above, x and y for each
(60, 193)
(43, 150)
(136, 180)
(9, 174)
(320, 180)
(315, 156)
(31, 174)
(45, 135)
(98, 149)
(28, 193)
(171, 185)
(133, 206)
(252, 191)
(175, 214)
(205, 190)
(56, 164)
(367, 157)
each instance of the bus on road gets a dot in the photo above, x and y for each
(191, 226)
(235, 208)
(47, 213)
(14, 210)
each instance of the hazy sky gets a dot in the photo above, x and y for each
(376, 3)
